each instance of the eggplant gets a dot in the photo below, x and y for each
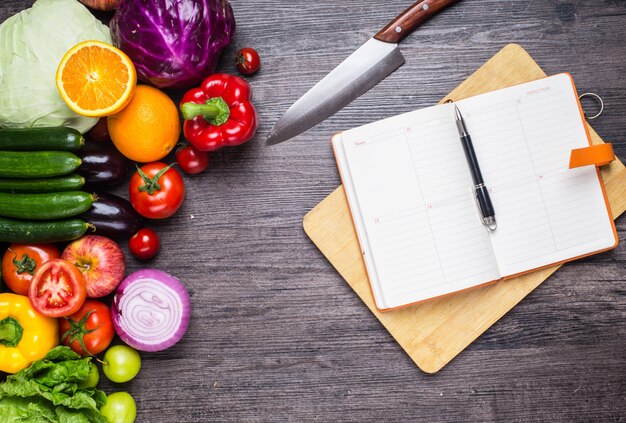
(102, 165)
(113, 216)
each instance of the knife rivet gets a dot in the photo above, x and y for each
(398, 29)
(425, 7)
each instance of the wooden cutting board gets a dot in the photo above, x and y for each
(434, 332)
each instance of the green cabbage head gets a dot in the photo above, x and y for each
(32, 44)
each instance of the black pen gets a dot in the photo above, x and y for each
(488, 215)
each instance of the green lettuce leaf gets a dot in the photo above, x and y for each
(52, 386)
(35, 410)
(60, 353)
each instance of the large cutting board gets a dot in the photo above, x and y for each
(434, 332)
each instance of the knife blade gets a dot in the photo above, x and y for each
(362, 70)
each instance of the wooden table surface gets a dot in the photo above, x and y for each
(277, 335)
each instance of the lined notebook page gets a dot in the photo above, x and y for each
(409, 189)
(546, 212)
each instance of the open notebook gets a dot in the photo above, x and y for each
(410, 192)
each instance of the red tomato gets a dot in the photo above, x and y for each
(20, 262)
(248, 61)
(191, 160)
(156, 190)
(144, 244)
(58, 289)
(90, 330)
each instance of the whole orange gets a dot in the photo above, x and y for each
(148, 128)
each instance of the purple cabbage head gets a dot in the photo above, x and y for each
(173, 43)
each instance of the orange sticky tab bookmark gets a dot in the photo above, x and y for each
(599, 155)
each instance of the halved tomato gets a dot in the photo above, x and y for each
(58, 289)
(20, 262)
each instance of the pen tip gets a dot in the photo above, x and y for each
(457, 113)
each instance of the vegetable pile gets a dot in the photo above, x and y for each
(44, 174)
(59, 74)
(151, 312)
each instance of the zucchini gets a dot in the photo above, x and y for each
(71, 182)
(37, 164)
(18, 231)
(36, 139)
(49, 206)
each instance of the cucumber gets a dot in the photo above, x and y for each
(18, 231)
(71, 182)
(37, 164)
(37, 139)
(49, 206)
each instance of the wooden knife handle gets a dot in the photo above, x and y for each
(410, 19)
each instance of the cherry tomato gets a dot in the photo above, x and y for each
(20, 262)
(119, 408)
(191, 160)
(144, 244)
(156, 190)
(92, 378)
(248, 61)
(121, 363)
(58, 289)
(90, 330)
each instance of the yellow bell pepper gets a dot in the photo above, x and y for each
(25, 335)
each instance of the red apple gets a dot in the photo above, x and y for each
(101, 262)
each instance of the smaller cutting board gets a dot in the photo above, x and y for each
(434, 332)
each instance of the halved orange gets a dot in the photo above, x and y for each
(96, 79)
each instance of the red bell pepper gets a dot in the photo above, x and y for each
(219, 113)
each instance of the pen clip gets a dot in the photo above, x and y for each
(490, 221)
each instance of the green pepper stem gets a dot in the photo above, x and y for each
(214, 110)
(10, 332)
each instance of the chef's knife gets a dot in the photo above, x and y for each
(363, 69)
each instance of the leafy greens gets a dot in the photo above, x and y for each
(50, 391)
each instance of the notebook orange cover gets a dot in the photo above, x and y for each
(409, 191)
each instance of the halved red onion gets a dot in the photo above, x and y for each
(151, 310)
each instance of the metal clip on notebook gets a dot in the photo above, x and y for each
(488, 214)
